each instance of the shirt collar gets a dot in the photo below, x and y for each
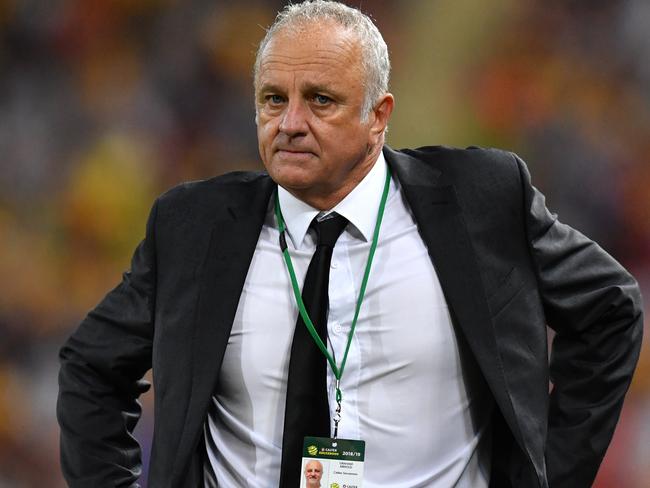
(359, 206)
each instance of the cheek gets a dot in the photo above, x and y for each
(266, 122)
(265, 133)
(350, 144)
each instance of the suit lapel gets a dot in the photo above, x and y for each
(232, 244)
(441, 225)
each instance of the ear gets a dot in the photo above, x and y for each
(380, 115)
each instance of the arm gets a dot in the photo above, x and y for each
(594, 306)
(102, 365)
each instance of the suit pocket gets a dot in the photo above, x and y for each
(505, 292)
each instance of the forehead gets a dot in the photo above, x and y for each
(319, 52)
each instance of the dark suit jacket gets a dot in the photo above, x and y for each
(507, 268)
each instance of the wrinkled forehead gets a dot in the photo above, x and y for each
(311, 46)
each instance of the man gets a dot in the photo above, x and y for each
(447, 374)
(313, 473)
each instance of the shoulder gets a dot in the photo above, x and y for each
(205, 196)
(471, 168)
(218, 185)
(473, 158)
(483, 181)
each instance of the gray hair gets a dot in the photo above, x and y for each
(374, 52)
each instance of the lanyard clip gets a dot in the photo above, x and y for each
(337, 415)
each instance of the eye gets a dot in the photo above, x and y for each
(322, 99)
(274, 99)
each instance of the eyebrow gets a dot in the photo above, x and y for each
(307, 88)
(267, 87)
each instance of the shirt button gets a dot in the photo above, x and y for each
(334, 264)
(337, 328)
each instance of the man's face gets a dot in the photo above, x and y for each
(313, 473)
(309, 96)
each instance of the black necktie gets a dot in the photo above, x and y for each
(307, 408)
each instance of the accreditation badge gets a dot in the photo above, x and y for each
(332, 463)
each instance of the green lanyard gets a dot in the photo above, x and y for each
(337, 370)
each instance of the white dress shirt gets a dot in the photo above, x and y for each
(408, 391)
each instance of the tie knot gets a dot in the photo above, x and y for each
(329, 229)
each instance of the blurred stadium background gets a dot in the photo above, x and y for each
(106, 103)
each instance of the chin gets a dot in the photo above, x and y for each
(293, 178)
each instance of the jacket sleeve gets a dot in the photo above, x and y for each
(102, 365)
(594, 306)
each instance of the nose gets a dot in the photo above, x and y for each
(294, 119)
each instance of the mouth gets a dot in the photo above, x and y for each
(293, 150)
(293, 154)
